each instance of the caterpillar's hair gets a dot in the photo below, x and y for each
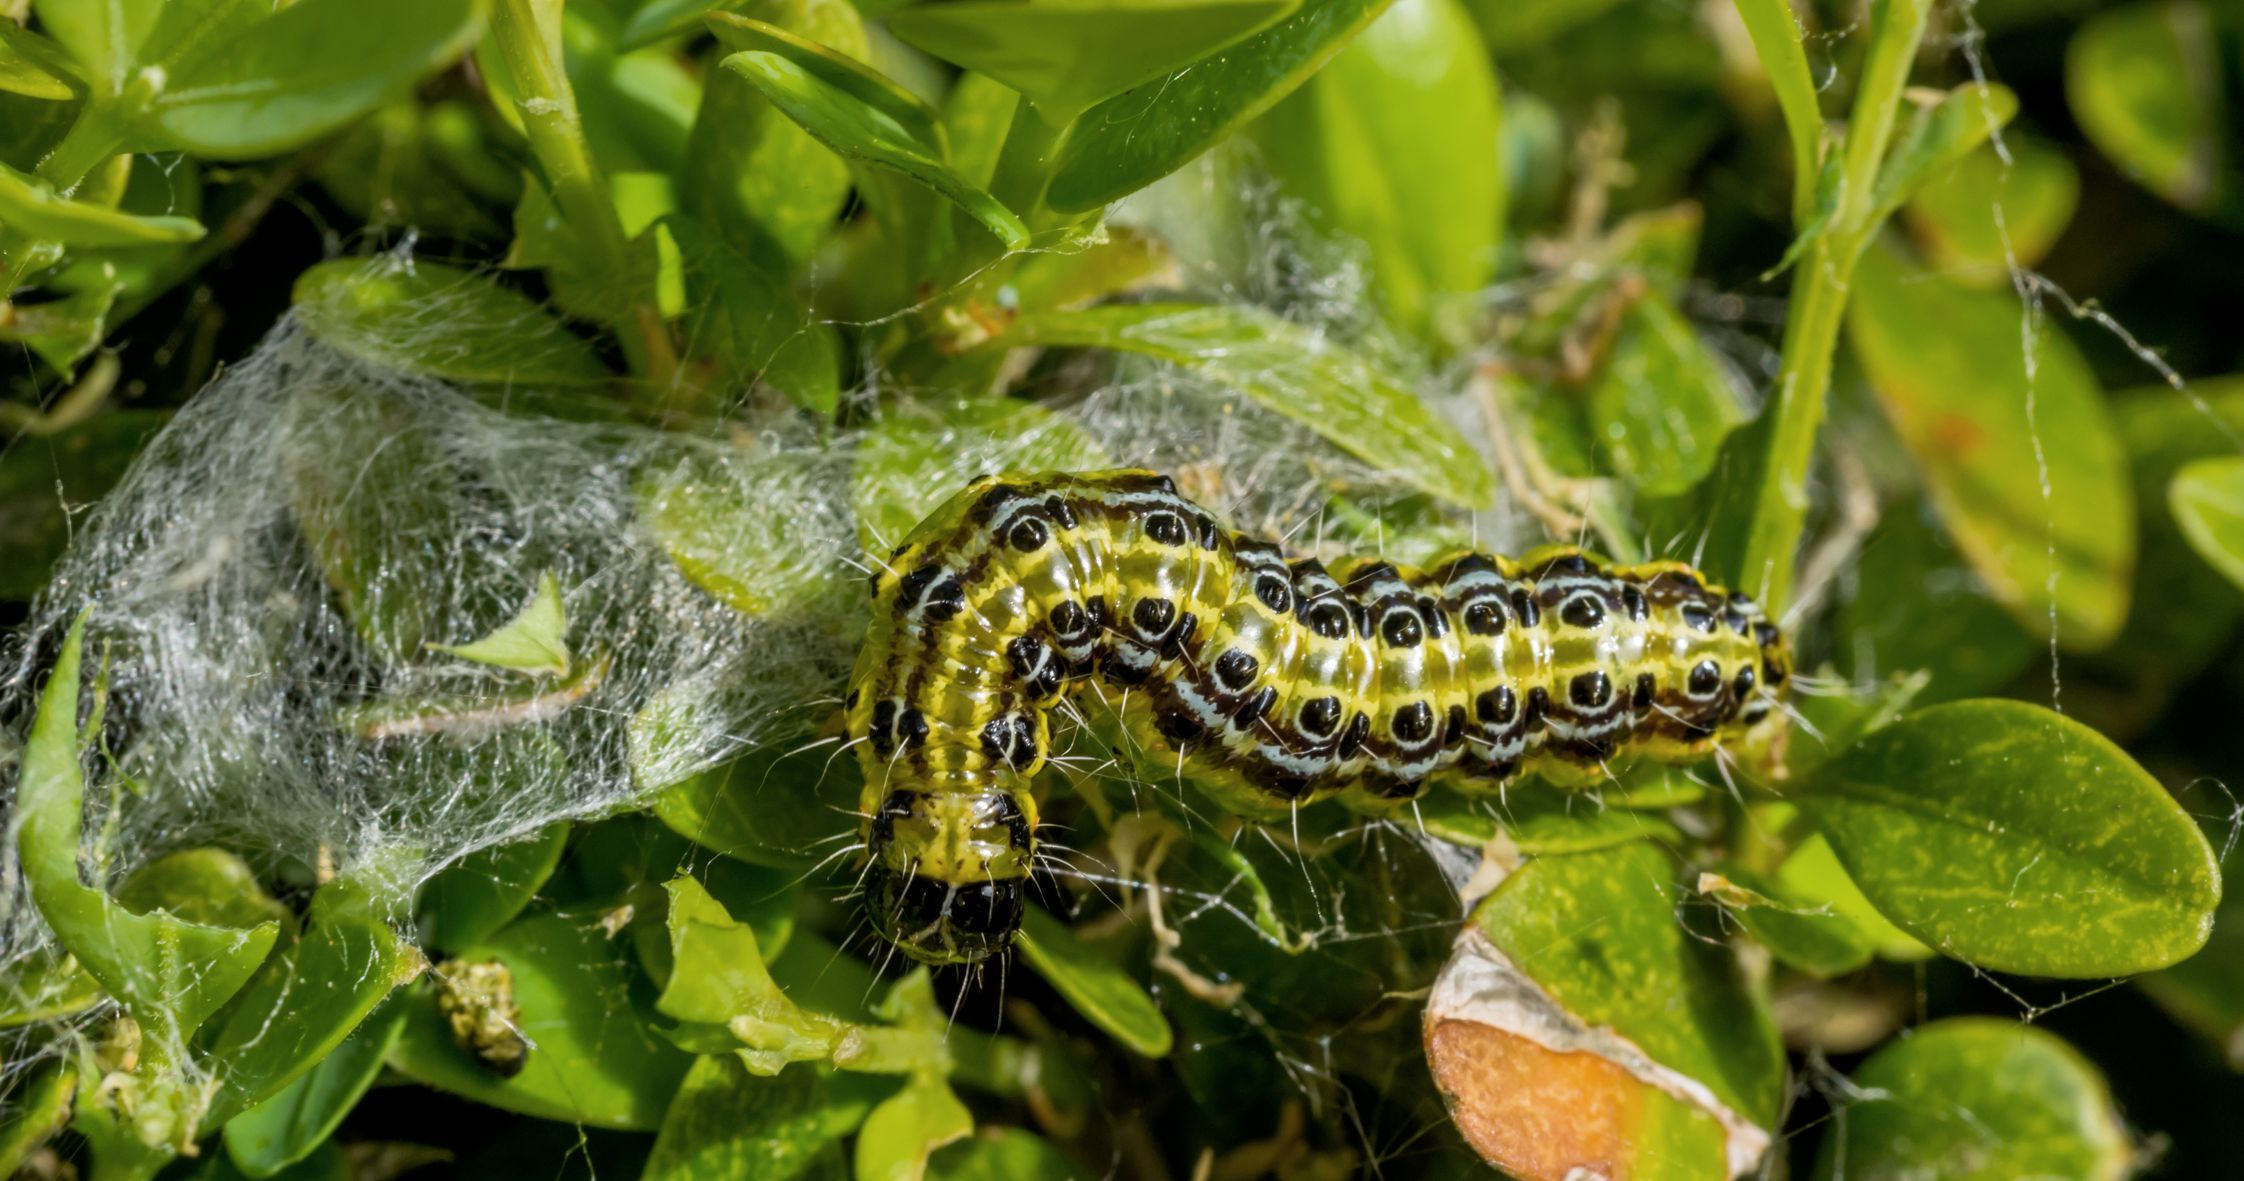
(1276, 682)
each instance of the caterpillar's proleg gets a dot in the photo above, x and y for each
(1278, 682)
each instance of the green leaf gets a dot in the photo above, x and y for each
(729, 1125)
(2202, 992)
(1539, 819)
(1394, 143)
(37, 1109)
(170, 974)
(1294, 371)
(302, 72)
(39, 477)
(1940, 135)
(1150, 132)
(31, 65)
(1812, 937)
(660, 19)
(105, 39)
(2019, 840)
(484, 890)
(1977, 1099)
(30, 206)
(767, 187)
(62, 332)
(2144, 81)
(203, 885)
(1663, 402)
(280, 1028)
(1778, 40)
(1985, 213)
(594, 1060)
(535, 641)
(2018, 452)
(1599, 932)
(1099, 989)
(1813, 876)
(762, 329)
(2208, 501)
(907, 463)
(769, 807)
(1917, 604)
(908, 1127)
(416, 316)
(297, 1119)
(715, 517)
(1067, 55)
(866, 133)
(1005, 1154)
(2163, 430)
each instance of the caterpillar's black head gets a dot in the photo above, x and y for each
(939, 922)
(947, 871)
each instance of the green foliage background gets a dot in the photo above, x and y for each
(1916, 320)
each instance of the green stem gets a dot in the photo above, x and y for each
(548, 106)
(1778, 515)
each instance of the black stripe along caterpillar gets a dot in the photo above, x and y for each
(1275, 682)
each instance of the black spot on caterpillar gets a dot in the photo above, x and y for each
(1277, 682)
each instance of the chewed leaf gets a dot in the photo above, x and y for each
(2208, 502)
(1574, 985)
(2015, 838)
(1978, 1099)
(1292, 370)
(1066, 55)
(170, 974)
(535, 641)
(1101, 991)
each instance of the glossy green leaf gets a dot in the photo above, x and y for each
(1107, 996)
(1150, 132)
(1810, 936)
(780, 805)
(1005, 1154)
(766, 186)
(837, 70)
(1940, 135)
(729, 1125)
(2208, 501)
(169, 973)
(31, 65)
(105, 39)
(427, 318)
(1985, 212)
(1812, 875)
(2017, 839)
(535, 641)
(595, 1061)
(1977, 1099)
(2018, 452)
(40, 476)
(483, 891)
(2144, 82)
(302, 72)
(907, 463)
(908, 1127)
(1066, 55)
(1663, 402)
(2203, 992)
(29, 205)
(760, 327)
(1394, 143)
(863, 132)
(1292, 370)
(1599, 932)
(38, 1108)
(288, 1126)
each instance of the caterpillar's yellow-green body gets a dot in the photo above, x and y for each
(1275, 682)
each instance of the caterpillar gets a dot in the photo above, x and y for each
(1273, 682)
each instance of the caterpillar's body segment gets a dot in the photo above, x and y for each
(1275, 682)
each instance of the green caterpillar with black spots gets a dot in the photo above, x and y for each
(1273, 682)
